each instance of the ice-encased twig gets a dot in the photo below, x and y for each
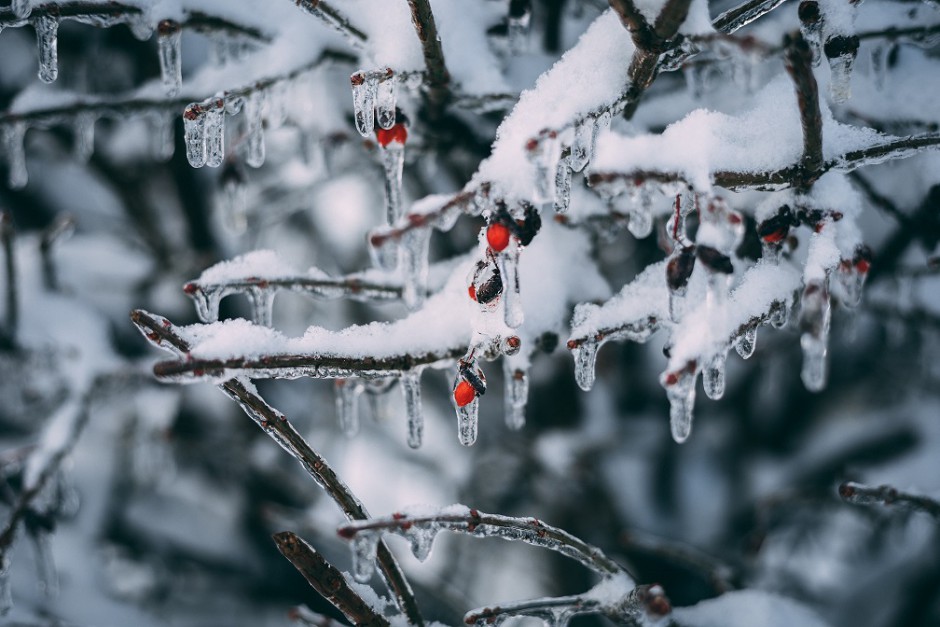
(861, 494)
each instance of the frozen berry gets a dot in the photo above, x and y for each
(397, 133)
(464, 394)
(472, 291)
(497, 236)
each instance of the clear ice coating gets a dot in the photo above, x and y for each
(254, 129)
(512, 299)
(21, 8)
(677, 303)
(413, 265)
(169, 35)
(393, 161)
(84, 136)
(516, 395)
(812, 33)
(386, 99)
(364, 547)
(421, 537)
(207, 304)
(47, 36)
(582, 147)
(411, 388)
(746, 342)
(262, 305)
(562, 185)
(384, 253)
(852, 281)
(14, 137)
(543, 154)
(585, 357)
(194, 133)
(815, 318)
(840, 77)
(235, 206)
(162, 136)
(680, 390)
(641, 213)
(713, 377)
(364, 91)
(347, 405)
(215, 136)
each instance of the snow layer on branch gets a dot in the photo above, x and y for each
(263, 264)
(708, 328)
(768, 137)
(747, 608)
(645, 296)
(554, 275)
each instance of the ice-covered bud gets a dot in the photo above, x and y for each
(679, 268)
(714, 260)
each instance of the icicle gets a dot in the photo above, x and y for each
(879, 65)
(364, 88)
(746, 342)
(364, 548)
(277, 103)
(347, 405)
(411, 387)
(393, 160)
(585, 357)
(512, 300)
(162, 136)
(469, 385)
(840, 77)
(234, 198)
(713, 377)
(582, 148)
(47, 35)
(215, 134)
(696, 79)
(45, 564)
(6, 593)
(414, 265)
(516, 395)
(262, 305)
(518, 32)
(641, 214)
(14, 138)
(467, 421)
(815, 315)
(384, 252)
(386, 99)
(207, 304)
(21, 8)
(84, 136)
(421, 537)
(543, 154)
(194, 133)
(562, 185)
(680, 389)
(169, 34)
(254, 132)
(852, 275)
(601, 124)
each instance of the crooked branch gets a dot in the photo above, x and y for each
(798, 59)
(860, 494)
(438, 77)
(327, 580)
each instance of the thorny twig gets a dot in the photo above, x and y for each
(162, 334)
(327, 580)
(860, 494)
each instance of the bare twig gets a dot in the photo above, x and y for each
(8, 334)
(438, 77)
(334, 17)
(327, 580)
(860, 494)
(162, 334)
(799, 63)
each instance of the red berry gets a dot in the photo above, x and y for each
(398, 133)
(472, 291)
(777, 236)
(464, 394)
(862, 265)
(497, 236)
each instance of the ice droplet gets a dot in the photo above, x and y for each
(713, 377)
(6, 593)
(680, 390)
(393, 161)
(207, 304)
(47, 36)
(414, 265)
(421, 536)
(562, 185)
(169, 34)
(162, 136)
(815, 317)
(364, 88)
(215, 136)
(852, 281)
(84, 136)
(583, 145)
(813, 372)
(141, 26)
(585, 357)
(21, 8)
(516, 395)
(385, 101)
(262, 305)
(746, 342)
(194, 133)
(512, 300)
(254, 133)
(840, 77)
(411, 388)
(641, 214)
(347, 405)
(364, 547)
(14, 137)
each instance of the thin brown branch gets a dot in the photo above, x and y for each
(12, 313)
(860, 494)
(743, 14)
(482, 525)
(438, 77)
(798, 59)
(334, 17)
(459, 204)
(327, 580)
(640, 30)
(546, 609)
(164, 335)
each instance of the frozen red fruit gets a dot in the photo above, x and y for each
(472, 291)
(397, 133)
(464, 394)
(497, 236)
